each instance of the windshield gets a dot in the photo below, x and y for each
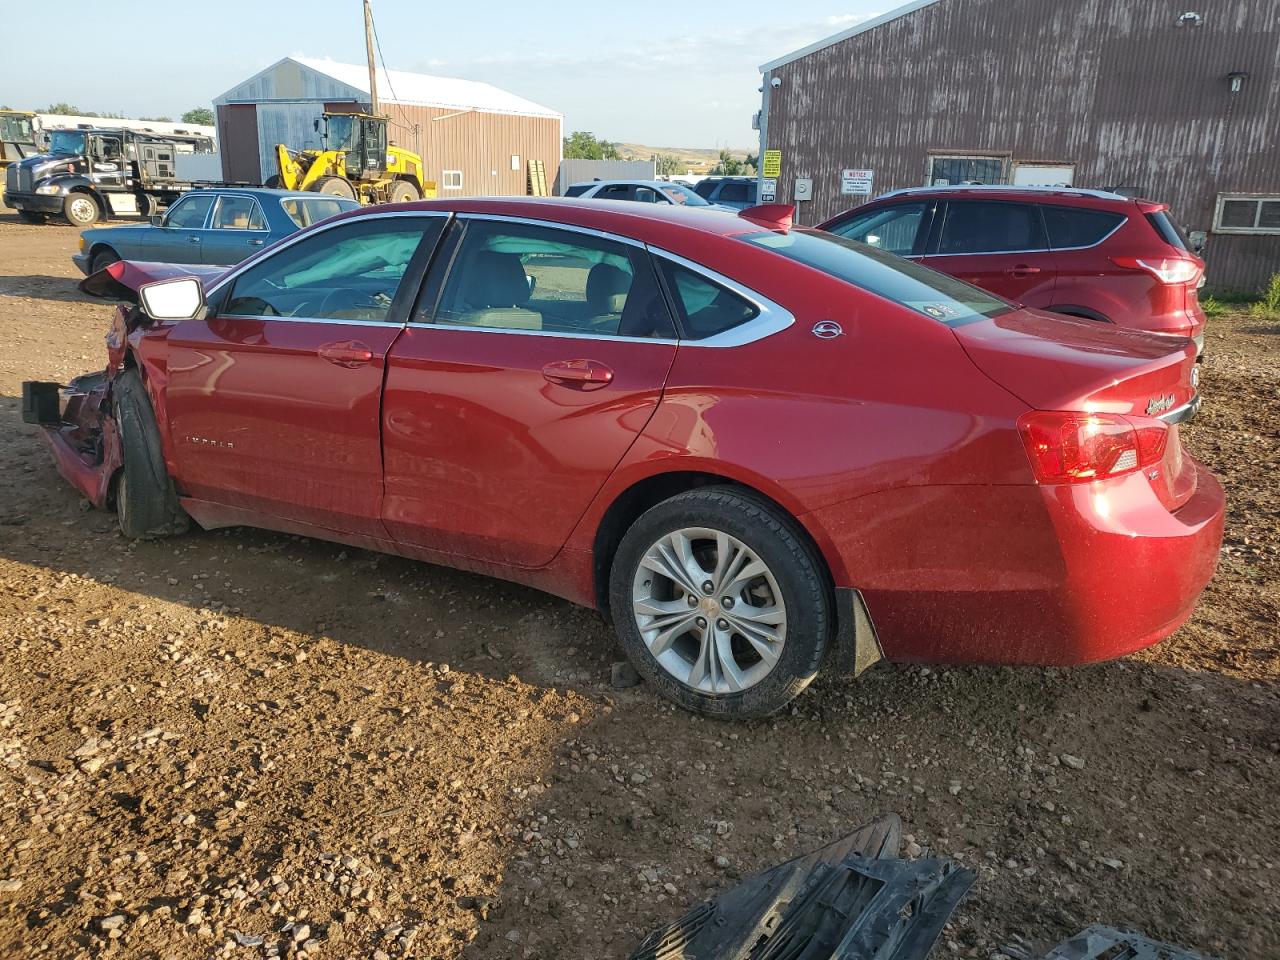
(16, 129)
(902, 281)
(679, 193)
(342, 132)
(67, 141)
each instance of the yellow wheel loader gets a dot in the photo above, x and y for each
(356, 163)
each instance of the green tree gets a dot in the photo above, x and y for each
(158, 119)
(667, 165)
(200, 115)
(729, 165)
(65, 108)
(583, 145)
(753, 161)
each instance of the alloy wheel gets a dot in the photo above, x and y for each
(709, 610)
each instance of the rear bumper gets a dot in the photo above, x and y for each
(81, 434)
(1049, 576)
(35, 202)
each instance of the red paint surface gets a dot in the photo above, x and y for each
(895, 446)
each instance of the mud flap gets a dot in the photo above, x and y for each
(851, 899)
(856, 646)
(41, 403)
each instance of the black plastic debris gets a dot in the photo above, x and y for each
(851, 900)
(1108, 943)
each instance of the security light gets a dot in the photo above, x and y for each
(1237, 79)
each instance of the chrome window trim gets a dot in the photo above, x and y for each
(772, 317)
(309, 232)
(555, 225)
(608, 337)
(328, 320)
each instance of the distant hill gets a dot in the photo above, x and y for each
(695, 159)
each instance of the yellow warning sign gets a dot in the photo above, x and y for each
(773, 163)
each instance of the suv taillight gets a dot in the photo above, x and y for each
(1166, 270)
(1068, 447)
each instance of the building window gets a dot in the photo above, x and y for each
(946, 170)
(453, 179)
(1247, 213)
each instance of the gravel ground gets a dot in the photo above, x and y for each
(242, 744)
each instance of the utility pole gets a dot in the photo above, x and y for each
(368, 46)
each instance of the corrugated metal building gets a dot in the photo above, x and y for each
(475, 140)
(1159, 98)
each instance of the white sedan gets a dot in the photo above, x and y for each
(642, 191)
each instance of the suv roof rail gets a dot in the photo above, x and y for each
(1007, 188)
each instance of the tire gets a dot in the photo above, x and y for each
(274, 182)
(146, 503)
(335, 187)
(402, 191)
(792, 574)
(32, 216)
(80, 209)
(103, 259)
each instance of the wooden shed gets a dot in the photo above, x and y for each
(475, 139)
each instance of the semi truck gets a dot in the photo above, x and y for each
(89, 174)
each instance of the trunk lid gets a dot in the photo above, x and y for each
(121, 280)
(1051, 362)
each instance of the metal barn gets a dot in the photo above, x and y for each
(475, 140)
(1159, 98)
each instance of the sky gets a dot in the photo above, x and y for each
(657, 73)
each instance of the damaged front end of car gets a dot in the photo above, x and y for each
(76, 419)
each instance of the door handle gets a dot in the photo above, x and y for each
(1023, 270)
(193, 239)
(585, 374)
(346, 353)
(255, 243)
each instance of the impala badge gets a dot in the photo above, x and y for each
(1160, 404)
(827, 330)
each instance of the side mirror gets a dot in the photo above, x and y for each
(157, 219)
(181, 298)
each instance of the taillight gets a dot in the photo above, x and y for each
(1067, 447)
(1166, 270)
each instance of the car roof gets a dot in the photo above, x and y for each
(267, 192)
(641, 183)
(1006, 190)
(646, 222)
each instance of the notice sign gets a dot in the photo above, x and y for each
(772, 164)
(856, 182)
(769, 190)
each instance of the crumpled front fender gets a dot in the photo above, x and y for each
(86, 443)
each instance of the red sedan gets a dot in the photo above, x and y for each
(762, 450)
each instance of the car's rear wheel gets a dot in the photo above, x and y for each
(721, 603)
(146, 503)
(80, 209)
(32, 216)
(103, 259)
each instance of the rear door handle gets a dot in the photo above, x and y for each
(346, 353)
(584, 374)
(193, 239)
(255, 243)
(1023, 270)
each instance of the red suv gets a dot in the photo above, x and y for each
(1084, 253)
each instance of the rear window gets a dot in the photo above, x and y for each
(1169, 230)
(577, 190)
(1078, 227)
(305, 211)
(901, 281)
(705, 188)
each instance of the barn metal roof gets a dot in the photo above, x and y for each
(853, 31)
(402, 87)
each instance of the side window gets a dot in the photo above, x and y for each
(1077, 227)
(615, 191)
(974, 226)
(511, 276)
(894, 229)
(189, 212)
(577, 190)
(238, 213)
(705, 307)
(350, 272)
(705, 188)
(649, 195)
(734, 193)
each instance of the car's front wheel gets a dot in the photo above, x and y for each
(721, 603)
(102, 259)
(146, 503)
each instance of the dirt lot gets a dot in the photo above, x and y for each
(207, 739)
